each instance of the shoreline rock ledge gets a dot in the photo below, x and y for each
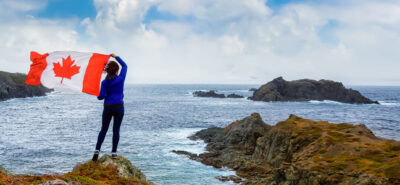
(12, 85)
(103, 172)
(300, 151)
(306, 90)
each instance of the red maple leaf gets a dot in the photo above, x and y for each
(67, 70)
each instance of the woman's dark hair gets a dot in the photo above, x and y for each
(111, 68)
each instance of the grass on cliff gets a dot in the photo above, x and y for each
(343, 148)
(18, 78)
(89, 173)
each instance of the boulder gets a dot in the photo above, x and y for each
(56, 182)
(125, 167)
(207, 135)
(306, 89)
(244, 133)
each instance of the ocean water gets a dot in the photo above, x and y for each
(51, 134)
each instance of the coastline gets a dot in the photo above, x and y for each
(299, 151)
(149, 114)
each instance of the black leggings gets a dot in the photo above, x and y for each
(116, 111)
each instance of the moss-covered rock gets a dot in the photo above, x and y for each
(302, 151)
(106, 171)
(125, 167)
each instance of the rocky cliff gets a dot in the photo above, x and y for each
(105, 171)
(12, 86)
(305, 90)
(300, 151)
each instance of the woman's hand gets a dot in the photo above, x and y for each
(113, 55)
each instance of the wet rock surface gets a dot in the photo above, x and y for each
(234, 96)
(211, 94)
(306, 89)
(232, 178)
(300, 151)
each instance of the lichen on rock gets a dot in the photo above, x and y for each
(301, 151)
(105, 171)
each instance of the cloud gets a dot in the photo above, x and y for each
(21, 33)
(12, 7)
(227, 41)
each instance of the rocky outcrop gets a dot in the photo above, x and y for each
(233, 95)
(213, 94)
(253, 89)
(300, 151)
(12, 86)
(105, 171)
(305, 90)
(233, 178)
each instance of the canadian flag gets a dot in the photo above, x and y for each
(67, 70)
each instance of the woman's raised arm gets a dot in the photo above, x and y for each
(123, 65)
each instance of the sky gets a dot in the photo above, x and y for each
(356, 42)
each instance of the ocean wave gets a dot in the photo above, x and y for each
(234, 90)
(325, 102)
(389, 103)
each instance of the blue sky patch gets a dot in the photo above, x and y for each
(68, 8)
(326, 32)
(153, 14)
(274, 4)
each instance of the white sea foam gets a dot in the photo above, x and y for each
(180, 137)
(385, 103)
(324, 102)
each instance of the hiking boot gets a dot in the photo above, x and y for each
(114, 155)
(95, 155)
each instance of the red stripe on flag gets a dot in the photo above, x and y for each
(38, 65)
(91, 80)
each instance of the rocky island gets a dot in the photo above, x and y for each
(12, 86)
(213, 94)
(105, 171)
(300, 151)
(306, 89)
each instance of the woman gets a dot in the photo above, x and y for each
(112, 91)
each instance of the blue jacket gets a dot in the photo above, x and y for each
(112, 90)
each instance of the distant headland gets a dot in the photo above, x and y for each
(12, 86)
